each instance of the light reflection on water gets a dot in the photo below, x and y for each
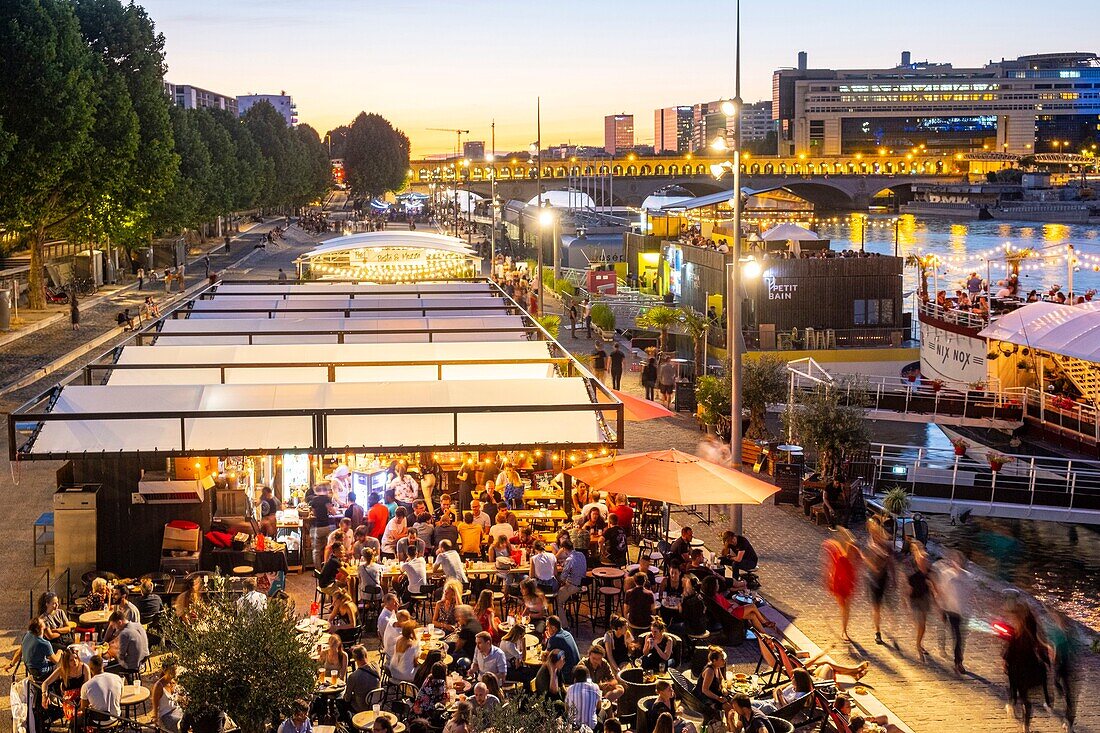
(954, 238)
(1056, 563)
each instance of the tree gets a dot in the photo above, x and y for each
(48, 108)
(337, 142)
(140, 161)
(272, 136)
(660, 318)
(828, 422)
(245, 661)
(316, 176)
(183, 207)
(696, 326)
(925, 264)
(376, 159)
(764, 381)
(525, 713)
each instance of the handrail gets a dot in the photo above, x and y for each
(951, 315)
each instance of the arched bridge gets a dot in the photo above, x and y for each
(832, 183)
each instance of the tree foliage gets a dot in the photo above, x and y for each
(827, 421)
(246, 662)
(660, 318)
(376, 156)
(696, 326)
(764, 381)
(525, 713)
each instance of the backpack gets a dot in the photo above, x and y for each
(618, 547)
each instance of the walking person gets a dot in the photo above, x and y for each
(573, 320)
(74, 310)
(952, 588)
(617, 358)
(666, 381)
(920, 593)
(588, 318)
(141, 278)
(206, 264)
(599, 362)
(879, 559)
(649, 377)
(1066, 646)
(1025, 664)
(840, 557)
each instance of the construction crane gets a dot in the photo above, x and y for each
(458, 137)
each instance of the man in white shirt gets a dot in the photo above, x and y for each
(502, 527)
(103, 692)
(543, 566)
(450, 562)
(397, 528)
(393, 631)
(582, 699)
(952, 583)
(415, 569)
(386, 615)
(480, 517)
(488, 658)
(251, 596)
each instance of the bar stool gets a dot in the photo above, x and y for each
(830, 338)
(611, 599)
(241, 571)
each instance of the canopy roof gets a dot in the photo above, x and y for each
(789, 232)
(305, 364)
(1068, 330)
(202, 381)
(393, 238)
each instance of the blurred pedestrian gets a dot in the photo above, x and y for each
(1065, 646)
(840, 558)
(1025, 663)
(141, 278)
(74, 309)
(879, 559)
(920, 592)
(953, 591)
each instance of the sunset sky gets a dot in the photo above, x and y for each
(424, 63)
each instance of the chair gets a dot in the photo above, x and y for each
(321, 596)
(686, 692)
(802, 706)
(810, 341)
(830, 343)
(779, 725)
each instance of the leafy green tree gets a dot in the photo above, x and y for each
(184, 206)
(256, 171)
(696, 326)
(829, 422)
(272, 136)
(48, 106)
(376, 159)
(138, 162)
(338, 141)
(245, 661)
(316, 176)
(764, 382)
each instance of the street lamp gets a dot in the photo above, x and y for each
(469, 202)
(491, 159)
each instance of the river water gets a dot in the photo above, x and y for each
(1057, 563)
(977, 246)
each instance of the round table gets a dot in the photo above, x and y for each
(308, 625)
(132, 696)
(95, 618)
(365, 720)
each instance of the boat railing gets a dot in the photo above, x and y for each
(1062, 414)
(946, 475)
(932, 398)
(954, 315)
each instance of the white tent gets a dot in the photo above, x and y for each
(560, 199)
(1068, 330)
(788, 232)
(654, 202)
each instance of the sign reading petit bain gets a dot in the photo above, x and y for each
(780, 290)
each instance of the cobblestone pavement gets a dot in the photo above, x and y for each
(928, 697)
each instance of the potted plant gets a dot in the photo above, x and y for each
(660, 318)
(603, 318)
(552, 323)
(997, 460)
(896, 501)
(977, 386)
(936, 385)
(764, 382)
(712, 397)
(960, 446)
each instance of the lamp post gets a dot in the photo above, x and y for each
(492, 158)
(733, 308)
(469, 202)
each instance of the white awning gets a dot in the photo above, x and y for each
(394, 238)
(360, 330)
(314, 288)
(297, 413)
(359, 307)
(211, 364)
(1068, 330)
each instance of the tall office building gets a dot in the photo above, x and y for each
(618, 133)
(1017, 106)
(282, 103)
(473, 149)
(707, 123)
(672, 130)
(756, 121)
(190, 97)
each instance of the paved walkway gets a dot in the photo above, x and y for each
(928, 697)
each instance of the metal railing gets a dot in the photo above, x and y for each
(1076, 417)
(892, 394)
(952, 315)
(944, 475)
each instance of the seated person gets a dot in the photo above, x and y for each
(738, 553)
(801, 684)
(658, 650)
(746, 612)
(640, 603)
(601, 673)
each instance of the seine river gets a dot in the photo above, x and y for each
(965, 247)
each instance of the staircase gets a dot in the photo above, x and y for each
(1083, 374)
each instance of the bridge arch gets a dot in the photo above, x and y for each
(646, 170)
(604, 170)
(674, 170)
(617, 170)
(632, 170)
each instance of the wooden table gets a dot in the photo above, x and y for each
(132, 696)
(365, 720)
(310, 625)
(553, 515)
(95, 618)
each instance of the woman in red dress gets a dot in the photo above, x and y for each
(840, 559)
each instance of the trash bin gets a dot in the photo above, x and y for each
(5, 310)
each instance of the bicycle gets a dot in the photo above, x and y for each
(83, 285)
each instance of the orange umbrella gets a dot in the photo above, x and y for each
(635, 409)
(672, 476)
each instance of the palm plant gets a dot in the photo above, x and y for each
(552, 323)
(696, 325)
(660, 318)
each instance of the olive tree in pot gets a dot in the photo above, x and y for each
(764, 382)
(696, 326)
(712, 395)
(245, 661)
(825, 421)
